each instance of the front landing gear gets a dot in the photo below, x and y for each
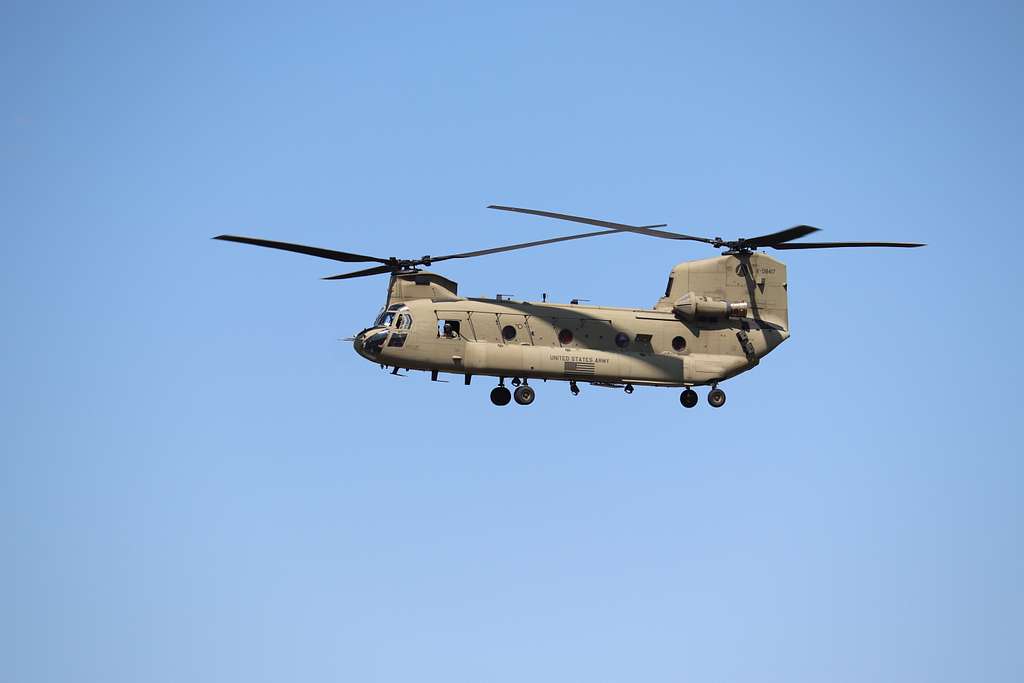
(574, 388)
(525, 394)
(500, 395)
(716, 398)
(688, 398)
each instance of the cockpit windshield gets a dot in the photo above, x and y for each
(388, 317)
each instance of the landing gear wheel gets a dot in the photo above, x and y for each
(688, 398)
(716, 398)
(574, 388)
(500, 396)
(524, 395)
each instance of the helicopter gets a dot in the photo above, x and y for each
(718, 318)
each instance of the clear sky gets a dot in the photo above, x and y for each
(199, 482)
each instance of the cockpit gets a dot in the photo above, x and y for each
(396, 321)
(396, 316)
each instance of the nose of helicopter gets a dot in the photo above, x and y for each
(368, 343)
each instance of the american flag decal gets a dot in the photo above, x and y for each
(574, 367)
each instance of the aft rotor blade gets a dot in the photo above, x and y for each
(376, 270)
(622, 227)
(303, 249)
(775, 238)
(837, 245)
(524, 245)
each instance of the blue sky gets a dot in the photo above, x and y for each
(198, 481)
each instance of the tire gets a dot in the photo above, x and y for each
(500, 396)
(525, 394)
(688, 398)
(716, 398)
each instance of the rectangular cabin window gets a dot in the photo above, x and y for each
(642, 343)
(449, 329)
(668, 287)
(454, 325)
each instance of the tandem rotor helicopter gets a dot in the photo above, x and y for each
(718, 318)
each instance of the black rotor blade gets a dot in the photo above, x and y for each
(622, 227)
(770, 240)
(303, 249)
(524, 245)
(376, 270)
(837, 245)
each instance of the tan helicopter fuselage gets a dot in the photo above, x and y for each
(718, 318)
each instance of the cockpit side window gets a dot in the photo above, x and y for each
(404, 321)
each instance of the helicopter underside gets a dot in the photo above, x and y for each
(594, 368)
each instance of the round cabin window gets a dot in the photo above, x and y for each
(508, 333)
(565, 337)
(622, 340)
(678, 343)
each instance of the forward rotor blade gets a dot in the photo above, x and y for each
(303, 249)
(376, 270)
(524, 245)
(837, 245)
(772, 239)
(622, 227)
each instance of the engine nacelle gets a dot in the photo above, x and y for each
(692, 306)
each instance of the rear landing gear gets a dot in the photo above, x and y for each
(500, 395)
(574, 388)
(688, 398)
(716, 398)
